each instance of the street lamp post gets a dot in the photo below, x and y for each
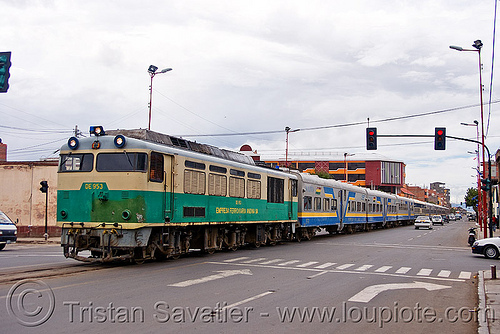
(479, 193)
(477, 48)
(288, 130)
(152, 72)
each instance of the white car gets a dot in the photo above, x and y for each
(423, 221)
(489, 247)
(437, 219)
(8, 231)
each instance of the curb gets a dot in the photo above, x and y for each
(482, 318)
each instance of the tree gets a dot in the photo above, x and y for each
(471, 198)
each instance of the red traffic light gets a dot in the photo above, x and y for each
(440, 132)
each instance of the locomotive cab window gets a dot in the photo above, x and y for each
(76, 162)
(156, 167)
(122, 162)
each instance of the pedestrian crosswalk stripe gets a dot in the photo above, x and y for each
(403, 270)
(255, 260)
(444, 273)
(352, 266)
(271, 261)
(237, 259)
(383, 269)
(288, 262)
(345, 266)
(307, 264)
(325, 265)
(364, 267)
(465, 274)
(424, 272)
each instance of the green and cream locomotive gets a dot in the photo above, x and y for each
(138, 194)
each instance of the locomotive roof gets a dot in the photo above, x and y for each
(163, 139)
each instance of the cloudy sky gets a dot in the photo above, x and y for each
(244, 67)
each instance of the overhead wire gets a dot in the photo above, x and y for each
(492, 67)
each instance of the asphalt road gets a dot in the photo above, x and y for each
(399, 279)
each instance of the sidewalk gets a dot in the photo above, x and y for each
(489, 299)
(38, 240)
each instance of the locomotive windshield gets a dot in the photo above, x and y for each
(121, 162)
(76, 162)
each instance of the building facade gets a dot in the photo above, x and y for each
(22, 200)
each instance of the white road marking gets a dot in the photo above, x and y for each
(465, 274)
(237, 259)
(247, 300)
(403, 270)
(424, 272)
(221, 274)
(364, 267)
(383, 269)
(325, 265)
(255, 260)
(345, 266)
(368, 293)
(288, 262)
(444, 273)
(271, 261)
(307, 264)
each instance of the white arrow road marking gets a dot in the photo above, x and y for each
(370, 292)
(222, 274)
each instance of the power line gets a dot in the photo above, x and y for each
(492, 67)
(390, 119)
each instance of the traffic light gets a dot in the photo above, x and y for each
(486, 184)
(440, 138)
(371, 138)
(44, 186)
(4, 71)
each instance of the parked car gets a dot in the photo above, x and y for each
(451, 216)
(471, 216)
(8, 231)
(445, 218)
(437, 219)
(458, 216)
(423, 221)
(489, 247)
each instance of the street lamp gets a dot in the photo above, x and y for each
(152, 72)
(288, 130)
(477, 48)
(478, 169)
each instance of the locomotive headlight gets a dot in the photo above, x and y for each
(97, 130)
(73, 143)
(119, 141)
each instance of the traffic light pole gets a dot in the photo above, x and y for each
(489, 221)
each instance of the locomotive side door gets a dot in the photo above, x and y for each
(161, 173)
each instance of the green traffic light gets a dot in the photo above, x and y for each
(4, 71)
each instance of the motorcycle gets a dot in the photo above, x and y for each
(472, 236)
